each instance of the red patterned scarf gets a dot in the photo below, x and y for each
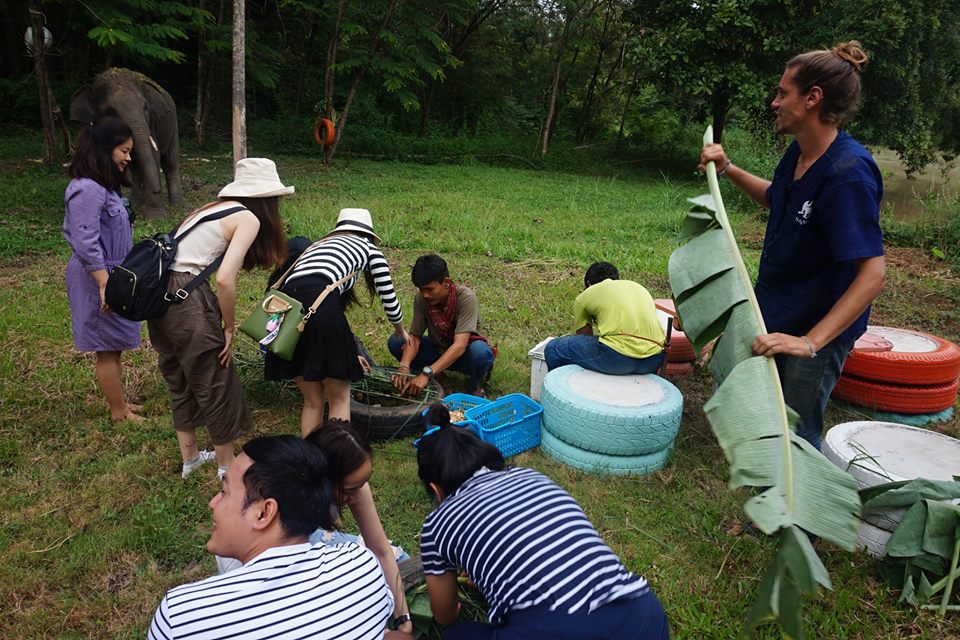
(444, 317)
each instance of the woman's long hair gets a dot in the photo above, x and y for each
(93, 158)
(269, 248)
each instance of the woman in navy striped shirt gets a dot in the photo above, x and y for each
(326, 359)
(526, 544)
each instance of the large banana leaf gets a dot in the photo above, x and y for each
(801, 490)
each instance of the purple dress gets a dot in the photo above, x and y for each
(97, 226)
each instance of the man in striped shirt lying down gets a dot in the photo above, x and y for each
(273, 496)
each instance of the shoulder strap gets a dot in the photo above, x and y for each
(213, 216)
(181, 294)
(323, 294)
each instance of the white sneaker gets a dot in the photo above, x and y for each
(203, 457)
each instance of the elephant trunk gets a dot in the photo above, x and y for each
(145, 171)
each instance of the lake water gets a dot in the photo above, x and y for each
(903, 196)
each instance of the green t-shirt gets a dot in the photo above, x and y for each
(622, 315)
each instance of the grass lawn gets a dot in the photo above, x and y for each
(97, 523)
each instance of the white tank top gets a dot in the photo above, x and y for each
(203, 245)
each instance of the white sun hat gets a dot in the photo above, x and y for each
(356, 220)
(255, 178)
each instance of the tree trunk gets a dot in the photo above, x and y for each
(626, 108)
(305, 62)
(555, 85)
(720, 105)
(239, 83)
(37, 19)
(330, 76)
(371, 52)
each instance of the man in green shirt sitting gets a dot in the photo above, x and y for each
(618, 331)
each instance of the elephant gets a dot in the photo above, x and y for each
(150, 113)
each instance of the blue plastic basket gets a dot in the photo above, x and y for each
(463, 402)
(511, 423)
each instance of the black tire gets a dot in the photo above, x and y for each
(385, 423)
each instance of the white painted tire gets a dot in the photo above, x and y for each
(877, 452)
(633, 415)
(873, 539)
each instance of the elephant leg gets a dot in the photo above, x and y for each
(171, 169)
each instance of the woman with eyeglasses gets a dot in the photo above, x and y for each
(526, 544)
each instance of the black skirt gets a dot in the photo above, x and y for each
(326, 348)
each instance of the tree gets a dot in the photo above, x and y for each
(911, 102)
(714, 53)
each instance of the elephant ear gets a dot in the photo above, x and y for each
(157, 97)
(83, 106)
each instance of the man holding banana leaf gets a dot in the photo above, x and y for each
(822, 263)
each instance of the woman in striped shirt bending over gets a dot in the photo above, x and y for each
(526, 544)
(326, 359)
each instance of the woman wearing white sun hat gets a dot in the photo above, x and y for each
(193, 339)
(326, 359)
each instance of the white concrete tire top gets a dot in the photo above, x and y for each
(877, 452)
(621, 391)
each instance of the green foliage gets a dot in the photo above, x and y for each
(912, 104)
(801, 491)
(144, 29)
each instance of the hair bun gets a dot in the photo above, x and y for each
(853, 53)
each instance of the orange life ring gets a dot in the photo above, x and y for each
(916, 358)
(324, 132)
(896, 398)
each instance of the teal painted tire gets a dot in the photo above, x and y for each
(631, 415)
(600, 463)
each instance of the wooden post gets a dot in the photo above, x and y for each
(50, 155)
(239, 83)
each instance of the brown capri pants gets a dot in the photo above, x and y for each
(203, 392)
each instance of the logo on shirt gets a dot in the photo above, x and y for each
(803, 215)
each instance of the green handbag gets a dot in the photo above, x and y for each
(279, 319)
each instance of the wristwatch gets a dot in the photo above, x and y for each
(427, 371)
(399, 620)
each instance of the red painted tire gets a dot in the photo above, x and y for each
(896, 398)
(679, 368)
(324, 132)
(916, 358)
(681, 350)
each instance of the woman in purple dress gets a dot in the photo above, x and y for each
(97, 226)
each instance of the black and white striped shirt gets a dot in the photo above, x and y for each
(340, 255)
(525, 542)
(296, 591)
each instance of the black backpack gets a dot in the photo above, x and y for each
(137, 288)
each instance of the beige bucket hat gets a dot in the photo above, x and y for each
(356, 220)
(255, 178)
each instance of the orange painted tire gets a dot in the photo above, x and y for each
(896, 398)
(324, 132)
(916, 358)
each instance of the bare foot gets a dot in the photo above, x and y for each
(128, 415)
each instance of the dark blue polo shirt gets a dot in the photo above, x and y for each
(818, 225)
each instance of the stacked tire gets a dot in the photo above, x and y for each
(901, 371)
(875, 453)
(681, 356)
(609, 425)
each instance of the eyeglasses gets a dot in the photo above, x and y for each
(428, 432)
